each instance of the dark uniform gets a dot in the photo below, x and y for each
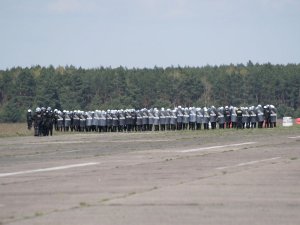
(49, 122)
(227, 116)
(267, 116)
(239, 114)
(29, 119)
(37, 122)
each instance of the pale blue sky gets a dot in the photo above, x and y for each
(145, 33)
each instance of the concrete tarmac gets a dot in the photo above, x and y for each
(189, 177)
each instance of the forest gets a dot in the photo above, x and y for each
(71, 88)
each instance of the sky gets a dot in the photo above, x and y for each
(148, 33)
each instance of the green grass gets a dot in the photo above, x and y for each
(20, 129)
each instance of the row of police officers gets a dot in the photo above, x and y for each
(128, 120)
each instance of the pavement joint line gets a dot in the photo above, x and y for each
(247, 163)
(48, 169)
(48, 153)
(71, 151)
(294, 137)
(217, 146)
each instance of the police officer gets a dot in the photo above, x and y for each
(179, 118)
(151, 119)
(186, 118)
(192, 118)
(267, 116)
(227, 116)
(139, 120)
(37, 119)
(49, 122)
(115, 121)
(102, 121)
(156, 119)
(60, 120)
(44, 127)
(273, 116)
(29, 119)
(260, 116)
(173, 119)
(205, 119)
(253, 117)
(70, 121)
(245, 117)
(89, 118)
(122, 123)
(145, 120)
(213, 117)
(221, 118)
(162, 119)
(128, 120)
(239, 114)
(168, 119)
(233, 116)
(199, 118)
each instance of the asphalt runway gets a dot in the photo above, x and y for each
(213, 177)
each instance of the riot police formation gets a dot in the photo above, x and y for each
(131, 120)
(43, 120)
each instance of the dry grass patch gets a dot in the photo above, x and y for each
(14, 129)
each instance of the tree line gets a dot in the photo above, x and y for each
(102, 88)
